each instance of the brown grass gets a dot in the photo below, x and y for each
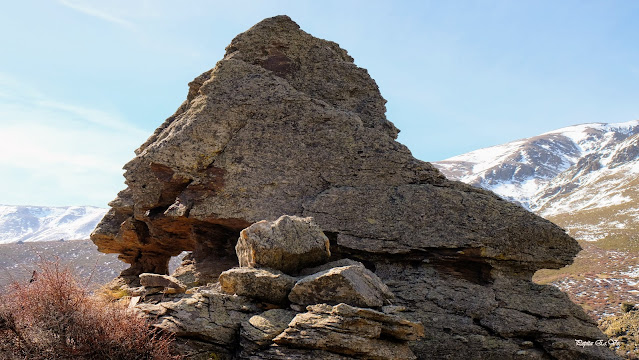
(53, 317)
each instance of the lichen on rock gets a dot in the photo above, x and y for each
(287, 124)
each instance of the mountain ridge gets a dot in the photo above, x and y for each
(584, 179)
(565, 171)
(32, 223)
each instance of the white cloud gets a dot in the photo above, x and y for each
(54, 153)
(97, 12)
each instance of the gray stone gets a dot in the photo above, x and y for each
(259, 331)
(329, 265)
(170, 284)
(343, 333)
(286, 123)
(392, 326)
(352, 284)
(213, 316)
(279, 353)
(289, 244)
(267, 285)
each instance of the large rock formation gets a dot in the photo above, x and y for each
(287, 124)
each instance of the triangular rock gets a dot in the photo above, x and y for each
(287, 124)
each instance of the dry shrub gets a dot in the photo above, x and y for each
(53, 317)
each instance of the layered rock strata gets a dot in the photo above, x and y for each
(215, 315)
(287, 124)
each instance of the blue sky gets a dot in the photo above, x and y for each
(83, 83)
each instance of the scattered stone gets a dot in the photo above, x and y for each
(266, 285)
(623, 332)
(391, 325)
(342, 331)
(289, 244)
(327, 266)
(213, 316)
(279, 353)
(170, 284)
(259, 331)
(352, 284)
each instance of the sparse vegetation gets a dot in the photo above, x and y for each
(599, 279)
(627, 307)
(52, 317)
(625, 330)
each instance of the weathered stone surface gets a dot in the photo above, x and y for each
(327, 266)
(267, 285)
(392, 326)
(209, 316)
(287, 244)
(488, 321)
(352, 284)
(171, 284)
(279, 352)
(342, 332)
(286, 123)
(259, 331)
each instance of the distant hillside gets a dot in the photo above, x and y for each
(18, 260)
(93, 268)
(584, 178)
(43, 223)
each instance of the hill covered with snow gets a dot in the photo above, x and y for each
(583, 177)
(43, 223)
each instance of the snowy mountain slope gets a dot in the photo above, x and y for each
(585, 178)
(42, 223)
(516, 170)
(586, 171)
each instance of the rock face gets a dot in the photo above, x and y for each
(213, 314)
(156, 280)
(288, 244)
(287, 124)
(351, 331)
(353, 284)
(262, 284)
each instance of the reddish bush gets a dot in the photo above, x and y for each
(52, 317)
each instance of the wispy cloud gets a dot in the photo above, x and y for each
(55, 153)
(96, 12)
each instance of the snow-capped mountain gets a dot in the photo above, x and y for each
(42, 223)
(583, 177)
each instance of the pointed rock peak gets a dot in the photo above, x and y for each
(287, 124)
(317, 67)
(275, 24)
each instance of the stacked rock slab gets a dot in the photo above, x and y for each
(287, 124)
(320, 330)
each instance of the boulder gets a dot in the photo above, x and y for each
(392, 326)
(286, 123)
(327, 266)
(266, 285)
(259, 331)
(169, 283)
(343, 332)
(289, 244)
(207, 315)
(352, 284)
